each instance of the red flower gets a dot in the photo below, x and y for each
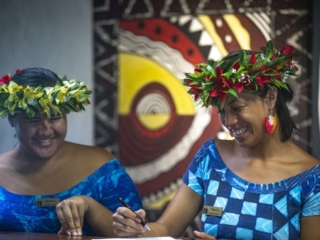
(194, 88)
(236, 66)
(221, 87)
(263, 68)
(273, 56)
(219, 71)
(291, 65)
(239, 87)
(286, 50)
(261, 80)
(197, 70)
(253, 58)
(294, 67)
(5, 79)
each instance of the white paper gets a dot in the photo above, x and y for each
(143, 238)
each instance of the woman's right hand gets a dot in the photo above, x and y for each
(126, 223)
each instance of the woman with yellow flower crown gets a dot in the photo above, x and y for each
(259, 185)
(47, 184)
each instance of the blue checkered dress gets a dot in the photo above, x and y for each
(249, 210)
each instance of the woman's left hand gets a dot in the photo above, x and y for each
(71, 213)
(203, 235)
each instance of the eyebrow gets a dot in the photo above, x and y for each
(234, 100)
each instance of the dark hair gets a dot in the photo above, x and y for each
(287, 125)
(35, 77)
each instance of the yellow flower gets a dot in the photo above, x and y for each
(61, 95)
(44, 102)
(28, 95)
(13, 89)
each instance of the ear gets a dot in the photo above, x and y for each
(10, 119)
(272, 95)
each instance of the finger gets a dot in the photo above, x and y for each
(125, 233)
(141, 213)
(203, 235)
(69, 218)
(128, 219)
(62, 231)
(126, 226)
(75, 226)
(62, 220)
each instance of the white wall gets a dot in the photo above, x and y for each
(53, 34)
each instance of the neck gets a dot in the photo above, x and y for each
(271, 147)
(27, 163)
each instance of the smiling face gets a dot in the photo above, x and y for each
(244, 117)
(40, 137)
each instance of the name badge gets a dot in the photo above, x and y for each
(47, 202)
(213, 211)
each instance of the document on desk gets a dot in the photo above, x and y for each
(143, 238)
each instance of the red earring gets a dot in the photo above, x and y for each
(271, 123)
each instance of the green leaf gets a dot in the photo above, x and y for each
(232, 92)
(30, 112)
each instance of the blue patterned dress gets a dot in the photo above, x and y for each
(20, 213)
(249, 210)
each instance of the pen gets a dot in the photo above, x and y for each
(127, 206)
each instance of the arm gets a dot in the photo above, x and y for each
(111, 182)
(72, 211)
(182, 209)
(309, 228)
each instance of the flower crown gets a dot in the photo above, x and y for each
(65, 97)
(212, 82)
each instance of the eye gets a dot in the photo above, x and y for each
(33, 120)
(55, 118)
(237, 108)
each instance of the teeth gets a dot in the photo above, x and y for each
(240, 131)
(44, 140)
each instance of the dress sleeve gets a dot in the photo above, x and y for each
(198, 170)
(312, 204)
(115, 182)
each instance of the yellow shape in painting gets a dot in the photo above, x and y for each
(155, 121)
(136, 71)
(209, 26)
(241, 34)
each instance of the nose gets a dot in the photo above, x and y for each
(228, 119)
(45, 126)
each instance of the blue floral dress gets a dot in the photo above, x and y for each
(105, 185)
(237, 209)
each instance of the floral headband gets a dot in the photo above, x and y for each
(212, 82)
(66, 96)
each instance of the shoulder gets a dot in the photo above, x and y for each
(7, 157)
(209, 152)
(300, 156)
(89, 155)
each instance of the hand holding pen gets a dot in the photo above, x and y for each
(127, 206)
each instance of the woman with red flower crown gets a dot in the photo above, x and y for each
(47, 184)
(259, 185)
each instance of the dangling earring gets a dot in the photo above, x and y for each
(271, 123)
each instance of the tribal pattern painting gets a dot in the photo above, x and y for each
(143, 48)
